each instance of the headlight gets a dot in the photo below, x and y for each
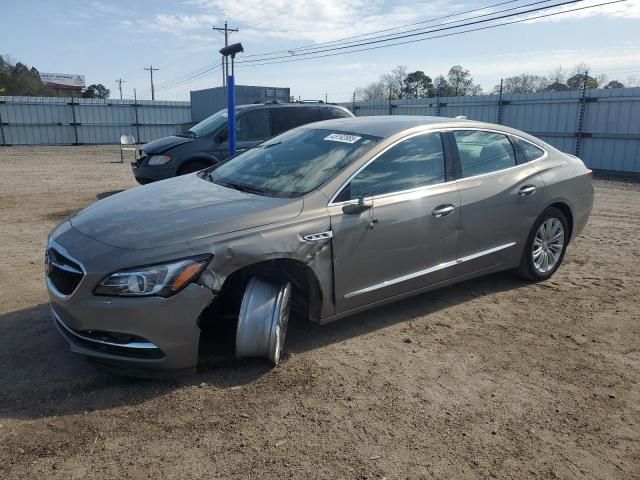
(159, 160)
(161, 280)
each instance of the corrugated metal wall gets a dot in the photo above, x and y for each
(66, 121)
(208, 101)
(610, 134)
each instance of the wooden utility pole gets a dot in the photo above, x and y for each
(152, 69)
(225, 61)
(120, 82)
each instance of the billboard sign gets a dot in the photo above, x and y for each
(63, 80)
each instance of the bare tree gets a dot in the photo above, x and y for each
(558, 75)
(632, 81)
(523, 83)
(394, 81)
(373, 91)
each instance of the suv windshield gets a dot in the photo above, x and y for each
(294, 163)
(210, 124)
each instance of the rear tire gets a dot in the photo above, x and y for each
(193, 167)
(545, 248)
(263, 320)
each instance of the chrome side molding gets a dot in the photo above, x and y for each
(427, 271)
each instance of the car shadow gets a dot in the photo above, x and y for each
(42, 378)
(102, 195)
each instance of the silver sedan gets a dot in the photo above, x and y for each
(323, 221)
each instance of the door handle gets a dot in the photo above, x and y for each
(527, 190)
(443, 210)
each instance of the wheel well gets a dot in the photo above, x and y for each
(190, 161)
(306, 298)
(564, 208)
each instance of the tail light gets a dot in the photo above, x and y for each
(590, 173)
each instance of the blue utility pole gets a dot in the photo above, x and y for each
(230, 51)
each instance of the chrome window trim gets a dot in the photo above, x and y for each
(132, 345)
(426, 271)
(331, 202)
(506, 134)
(56, 246)
(388, 147)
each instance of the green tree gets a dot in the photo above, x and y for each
(96, 91)
(556, 87)
(19, 79)
(576, 81)
(461, 82)
(418, 85)
(614, 84)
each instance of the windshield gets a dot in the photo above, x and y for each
(294, 163)
(210, 124)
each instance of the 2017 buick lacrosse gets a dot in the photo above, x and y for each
(323, 221)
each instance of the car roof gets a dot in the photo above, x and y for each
(387, 125)
(295, 105)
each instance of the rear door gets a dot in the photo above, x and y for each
(407, 237)
(500, 199)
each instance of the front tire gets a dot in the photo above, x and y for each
(263, 320)
(545, 247)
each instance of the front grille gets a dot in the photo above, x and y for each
(64, 274)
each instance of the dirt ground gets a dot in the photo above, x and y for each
(493, 378)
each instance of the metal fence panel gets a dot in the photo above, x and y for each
(608, 138)
(67, 121)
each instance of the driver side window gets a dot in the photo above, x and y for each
(415, 162)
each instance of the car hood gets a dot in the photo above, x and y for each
(161, 145)
(180, 209)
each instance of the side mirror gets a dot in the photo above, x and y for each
(364, 203)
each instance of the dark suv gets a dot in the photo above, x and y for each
(206, 143)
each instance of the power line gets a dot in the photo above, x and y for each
(267, 18)
(151, 69)
(310, 46)
(424, 32)
(439, 36)
(190, 79)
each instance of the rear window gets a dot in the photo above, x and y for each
(286, 118)
(529, 150)
(329, 113)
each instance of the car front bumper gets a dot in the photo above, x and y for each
(134, 333)
(145, 174)
(163, 332)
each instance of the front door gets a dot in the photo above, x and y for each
(395, 224)
(252, 128)
(500, 200)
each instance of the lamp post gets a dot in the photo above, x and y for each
(230, 51)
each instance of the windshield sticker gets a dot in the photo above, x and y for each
(341, 137)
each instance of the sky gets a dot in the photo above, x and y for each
(107, 40)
